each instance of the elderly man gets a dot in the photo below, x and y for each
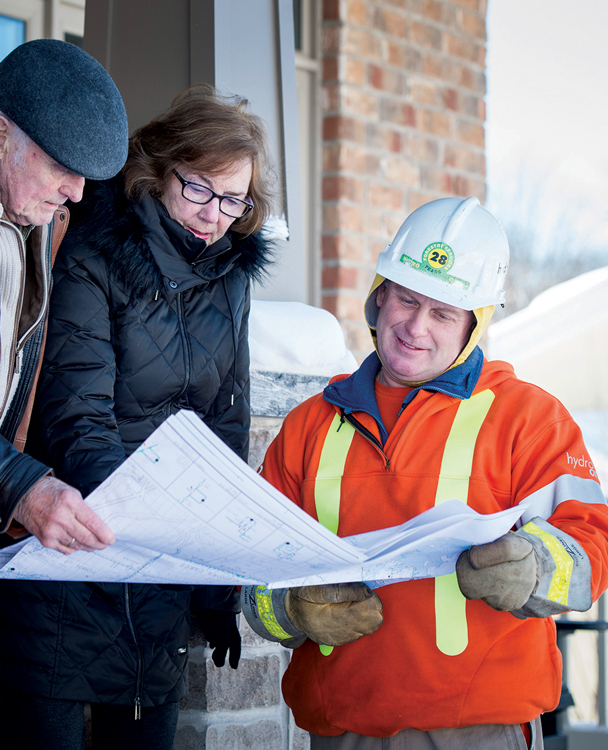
(61, 120)
(467, 660)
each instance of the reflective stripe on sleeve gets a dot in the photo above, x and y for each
(560, 580)
(263, 597)
(543, 502)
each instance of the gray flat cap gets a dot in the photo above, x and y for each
(68, 105)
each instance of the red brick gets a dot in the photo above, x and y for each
(332, 38)
(340, 127)
(422, 148)
(338, 216)
(465, 186)
(343, 306)
(384, 138)
(371, 222)
(432, 9)
(331, 10)
(340, 187)
(435, 180)
(439, 66)
(426, 35)
(468, 78)
(343, 246)
(338, 277)
(358, 339)
(389, 22)
(413, 6)
(450, 97)
(386, 80)
(463, 159)
(471, 24)
(355, 71)
(466, 49)
(356, 12)
(396, 53)
(470, 4)
(399, 113)
(331, 94)
(386, 198)
(330, 68)
(360, 102)
(401, 171)
(426, 92)
(437, 123)
(471, 133)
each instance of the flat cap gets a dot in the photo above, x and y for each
(64, 100)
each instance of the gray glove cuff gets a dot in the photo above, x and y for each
(264, 610)
(563, 572)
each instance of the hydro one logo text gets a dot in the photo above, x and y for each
(582, 462)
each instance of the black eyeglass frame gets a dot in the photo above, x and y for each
(185, 183)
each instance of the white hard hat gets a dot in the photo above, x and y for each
(452, 250)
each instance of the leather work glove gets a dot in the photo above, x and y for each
(222, 634)
(334, 614)
(502, 573)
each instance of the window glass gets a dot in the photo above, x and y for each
(297, 23)
(12, 34)
(73, 39)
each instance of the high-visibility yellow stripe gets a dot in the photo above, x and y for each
(451, 627)
(263, 597)
(564, 564)
(329, 474)
(328, 482)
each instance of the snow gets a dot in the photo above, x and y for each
(292, 337)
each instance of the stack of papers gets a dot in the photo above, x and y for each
(186, 510)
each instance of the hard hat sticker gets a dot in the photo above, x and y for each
(438, 255)
(437, 259)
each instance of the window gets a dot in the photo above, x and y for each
(73, 39)
(12, 34)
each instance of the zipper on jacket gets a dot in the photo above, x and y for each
(139, 676)
(368, 435)
(185, 346)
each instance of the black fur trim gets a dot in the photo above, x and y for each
(105, 222)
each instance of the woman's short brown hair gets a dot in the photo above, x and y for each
(208, 133)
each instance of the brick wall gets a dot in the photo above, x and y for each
(403, 123)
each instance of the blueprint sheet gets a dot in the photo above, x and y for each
(185, 509)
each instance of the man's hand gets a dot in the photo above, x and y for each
(334, 614)
(502, 573)
(57, 515)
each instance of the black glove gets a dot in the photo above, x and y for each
(222, 635)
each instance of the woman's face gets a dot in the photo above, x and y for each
(207, 222)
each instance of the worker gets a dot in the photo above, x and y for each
(467, 660)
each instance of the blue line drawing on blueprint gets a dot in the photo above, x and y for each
(196, 493)
(244, 526)
(149, 452)
(287, 550)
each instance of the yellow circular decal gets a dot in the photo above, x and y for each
(438, 255)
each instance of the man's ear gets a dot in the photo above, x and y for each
(5, 127)
(381, 293)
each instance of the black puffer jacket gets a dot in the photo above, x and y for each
(136, 333)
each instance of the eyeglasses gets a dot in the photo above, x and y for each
(195, 193)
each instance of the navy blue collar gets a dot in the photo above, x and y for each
(356, 393)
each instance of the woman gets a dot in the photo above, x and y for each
(148, 316)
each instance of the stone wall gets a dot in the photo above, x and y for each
(243, 709)
(403, 123)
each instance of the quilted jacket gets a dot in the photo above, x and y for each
(136, 333)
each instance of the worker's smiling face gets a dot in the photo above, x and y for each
(418, 337)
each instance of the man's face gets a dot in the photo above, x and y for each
(32, 185)
(418, 337)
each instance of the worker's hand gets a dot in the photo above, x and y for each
(222, 634)
(334, 614)
(502, 573)
(57, 515)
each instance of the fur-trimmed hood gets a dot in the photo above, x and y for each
(113, 226)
